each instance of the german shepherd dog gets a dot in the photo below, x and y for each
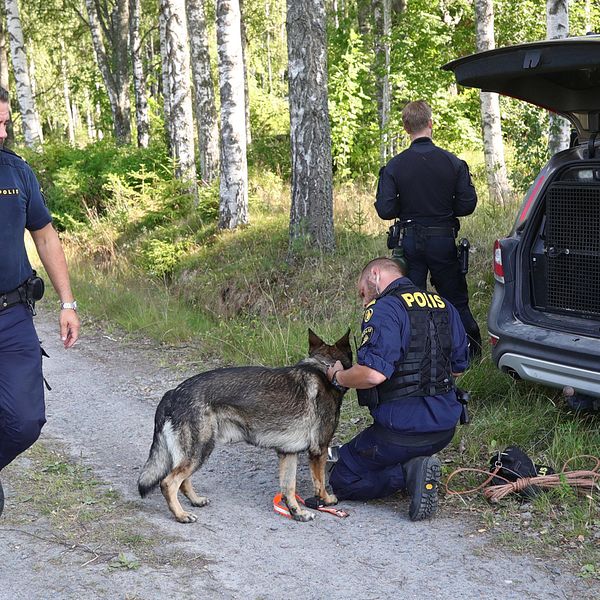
(289, 409)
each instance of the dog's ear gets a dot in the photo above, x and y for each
(343, 343)
(314, 341)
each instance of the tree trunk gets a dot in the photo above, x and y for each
(139, 80)
(3, 51)
(165, 67)
(233, 206)
(383, 22)
(116, 79)
(206, 110)
(245, 63)
(268, 46)
(31, 125)
(493, 146)
(180, 94)
(557, 26)
(67, 94)
(311, 215)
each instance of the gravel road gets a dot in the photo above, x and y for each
(101, 411)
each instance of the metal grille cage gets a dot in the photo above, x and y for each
(573, 248)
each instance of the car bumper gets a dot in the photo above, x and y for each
(551, 373)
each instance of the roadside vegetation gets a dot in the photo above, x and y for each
(145, 260)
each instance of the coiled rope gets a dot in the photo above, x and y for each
(584, 481)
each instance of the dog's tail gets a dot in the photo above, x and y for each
(160, 460)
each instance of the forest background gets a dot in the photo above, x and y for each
(180, 226)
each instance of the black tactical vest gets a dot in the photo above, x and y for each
(425, 369)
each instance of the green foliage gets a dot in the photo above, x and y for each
(353, 122)
(83, 184)
(159, 258)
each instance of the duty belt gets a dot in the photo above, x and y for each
(17, 296)
(424, 230)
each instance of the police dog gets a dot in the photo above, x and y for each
(289, 409)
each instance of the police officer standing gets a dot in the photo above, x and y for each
(427, 188)
(413, 346)
(22, 411)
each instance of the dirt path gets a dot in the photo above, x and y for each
(101, 411)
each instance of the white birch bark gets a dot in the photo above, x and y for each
(3, 51)
(205, 106)
(139, 81)
(233, 205)
(116, 79)
(557, 26)
(30, 123)
(89, 117)
(180, 92)
(166, 88)
(311, 215)
(67, 94)
(493, 146)
(383, 23)
(244, 62)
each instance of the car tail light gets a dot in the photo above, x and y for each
(494, 339)
(498, 268)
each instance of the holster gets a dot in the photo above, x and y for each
(368, 398)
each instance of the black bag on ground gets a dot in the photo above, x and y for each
(514, 464)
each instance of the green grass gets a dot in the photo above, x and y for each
(242, 301)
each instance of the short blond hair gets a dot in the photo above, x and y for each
(385, 264)
(416, 116)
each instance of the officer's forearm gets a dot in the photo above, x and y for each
(52, 256)
(359, 377)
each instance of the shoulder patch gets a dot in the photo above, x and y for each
(366, 335)
(367, 315)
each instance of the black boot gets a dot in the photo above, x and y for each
(474, 347)
(422, 479)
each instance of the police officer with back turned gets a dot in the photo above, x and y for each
(426, 188)
(22, 412)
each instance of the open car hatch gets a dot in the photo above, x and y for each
(561, 75)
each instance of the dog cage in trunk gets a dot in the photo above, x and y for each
(565, 256)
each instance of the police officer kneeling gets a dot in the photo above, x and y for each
(413, 346)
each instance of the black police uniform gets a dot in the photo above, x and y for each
(416, 339)
(22, 412)
(427, 188)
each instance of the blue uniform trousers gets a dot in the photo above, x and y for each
(22, 412)
(370, 465)
(438, 255)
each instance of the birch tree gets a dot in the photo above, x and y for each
(493, 146)
(311, 215)
(233, 205)
(3, 52)
(205, 107)
(164, 71)
(139, 81)
(67, 93)
(383, 26)
(112, 23)
(557, 26)
(29, 116)
(176, 52)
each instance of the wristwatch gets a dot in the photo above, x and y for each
(336, 385)
(71, 305)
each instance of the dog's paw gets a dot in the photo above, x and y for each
(303, 516)
(329, 499)
(200, 501)
(187, 518)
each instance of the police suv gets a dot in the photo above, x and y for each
(544, 319)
